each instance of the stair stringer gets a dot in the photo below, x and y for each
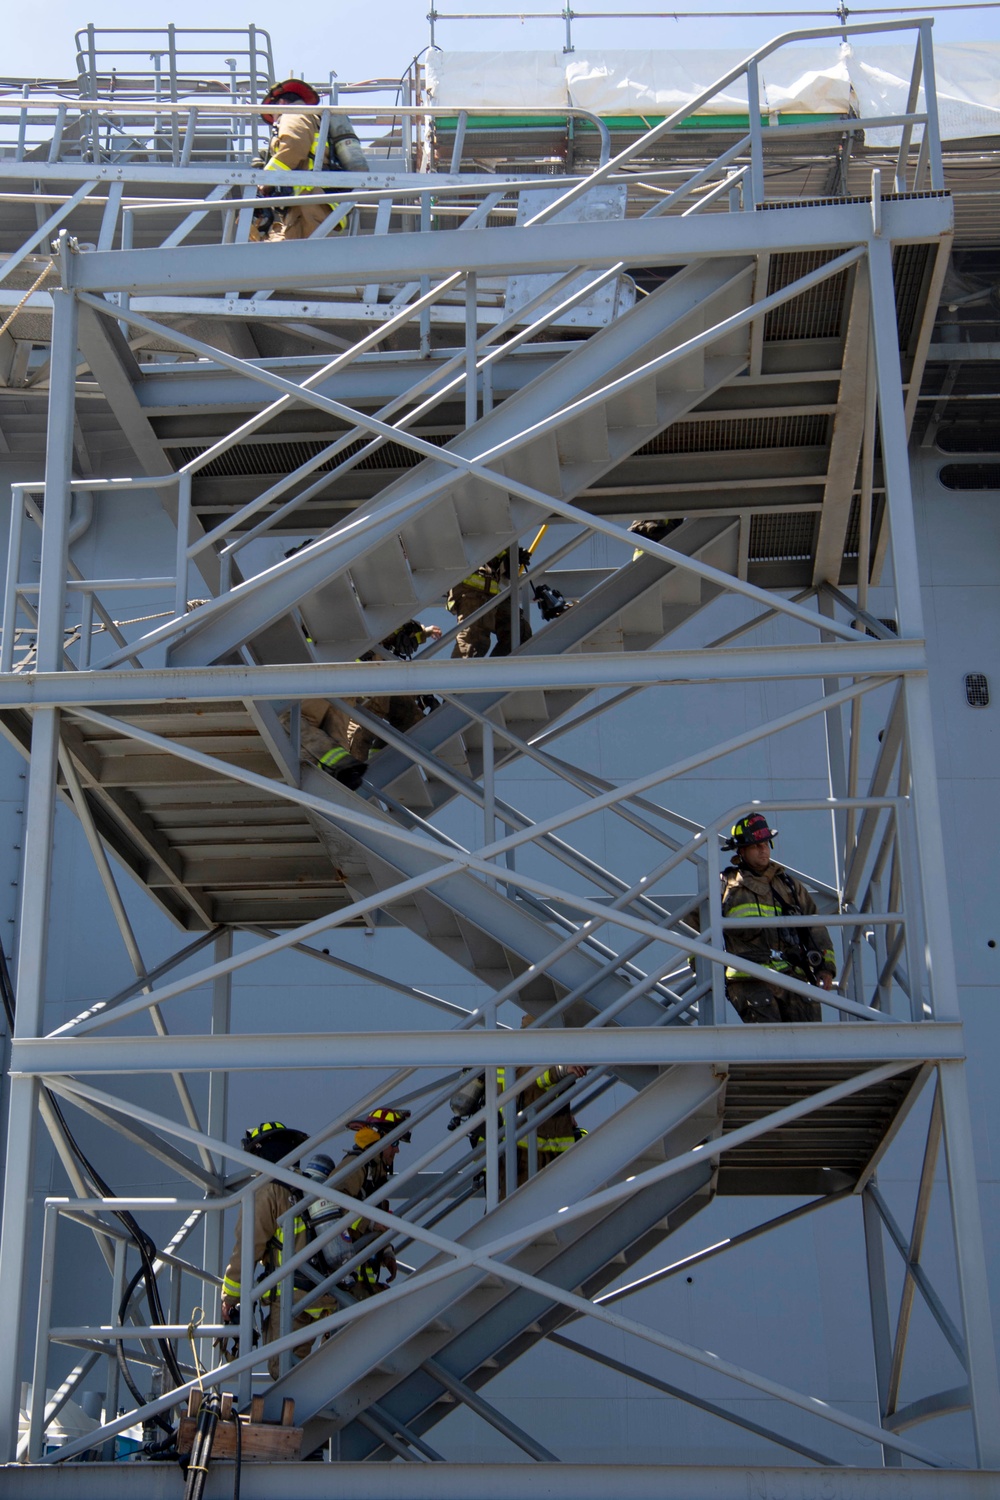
(398, 1330)
(642, 584)
(598, 1254)
(361, 580)
(477, 925)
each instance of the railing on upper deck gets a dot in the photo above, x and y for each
(180, 132)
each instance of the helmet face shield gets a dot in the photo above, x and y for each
(753, 829)
(383, 1121)
(303, 93)
(272, 1140)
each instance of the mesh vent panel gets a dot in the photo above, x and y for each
(785, 537)
(817, 314)
(281, 457)
(909, 266)
(963, 437)
(977, 690)
(970, 476)
(743, 434)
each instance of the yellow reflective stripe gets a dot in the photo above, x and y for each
(545, 1080)
(230, 1288)
(758, 909)
(477, 581)
(274, 166)
(778, 964)
(552, 1143)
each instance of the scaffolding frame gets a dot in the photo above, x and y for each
(896, 1003)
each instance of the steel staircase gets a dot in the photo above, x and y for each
(430, 528)
(475, 924)
(472, 1323)
(629, 609)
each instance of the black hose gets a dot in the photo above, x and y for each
(201, 1448)
(142, 1241)
(238, 1465)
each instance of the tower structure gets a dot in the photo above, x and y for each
(340, 431)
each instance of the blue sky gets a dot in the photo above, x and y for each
(378, 38)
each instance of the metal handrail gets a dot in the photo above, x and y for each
(929, 159)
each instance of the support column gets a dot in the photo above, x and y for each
(218, 1099)
(15, 1236)
(878, 1296)
(909, 612)
(970, 1258)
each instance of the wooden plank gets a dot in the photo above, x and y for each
(259, 1441)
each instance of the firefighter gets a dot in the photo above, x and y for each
(292, 148)
(272, 1141)
(656, 531)
(366, 1179)
(553, 1135)
(560, 1131)
(473, 592)
(754, 885)
(340, 744)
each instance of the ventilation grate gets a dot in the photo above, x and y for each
(968, 437)
(816, 314)
(782, 536)
(970, 476)
(248, 459)
(743, 434)
(977, 690)
(909, 272)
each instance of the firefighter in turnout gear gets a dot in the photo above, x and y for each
(342, 745)
(754, 885)
(553, 1135)
(272, 1141)
(366, 1179)
(292, 148)
(473, 592)
(656, 531)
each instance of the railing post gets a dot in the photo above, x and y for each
(471, 374)
(406, 128)
(36, 1424)
(492, 1135)
(113, 1386)
(247, 1208)
(932, 129)
(22, 124)
(184, 482)
(756, 136)
(13, 574)
(712, 1009)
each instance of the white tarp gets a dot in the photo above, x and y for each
(826, 78)
(803, 80)
(968, 88)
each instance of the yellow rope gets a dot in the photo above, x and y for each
(197, 1317)
(30, 292)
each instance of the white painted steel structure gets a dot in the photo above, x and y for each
(405, 460)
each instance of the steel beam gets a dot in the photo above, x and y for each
(498, 252)
(457, 1481)
(77, 1055)
(443, 675)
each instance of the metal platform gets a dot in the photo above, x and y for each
(743, 355)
